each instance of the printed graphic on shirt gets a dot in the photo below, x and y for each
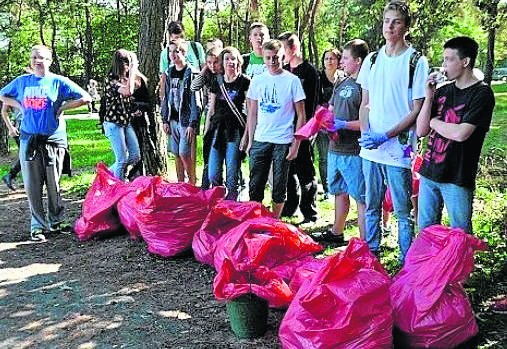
(175, 91)
(346, 92)
(255, 69)
(35, 97)
(232, 94)
(437, 144)
(269, 100)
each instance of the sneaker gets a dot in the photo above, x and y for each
(329, 236)
(37, 235)
(8, 181)
(60, 227)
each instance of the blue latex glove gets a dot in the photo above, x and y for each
(339, 124)
(372, 140)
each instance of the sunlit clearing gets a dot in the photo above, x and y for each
(4, 246)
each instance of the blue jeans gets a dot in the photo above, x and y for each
(262, 155)
(399, 180)
(125, 147)
(458, 203)
(231, 155)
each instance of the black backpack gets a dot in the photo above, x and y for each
(414, 58)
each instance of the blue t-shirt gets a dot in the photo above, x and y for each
(40, 99)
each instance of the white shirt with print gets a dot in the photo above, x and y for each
(390, 100)
(275, 95)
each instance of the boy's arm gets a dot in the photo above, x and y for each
(251, 123)
(423, 119)
(211, 111)
(11, 102)
(13, 131)
(364, 112)
(75, 103)
(408, 121)
(455, 132)
(164, 107)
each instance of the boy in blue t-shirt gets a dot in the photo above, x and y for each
(42, 97)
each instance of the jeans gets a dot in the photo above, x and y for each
(43, 170)
(231, 155)
(458, 203)
(125, 147)
(399, 180)
(262, 155)
(302, 175)
(345, 175)
(322, 141)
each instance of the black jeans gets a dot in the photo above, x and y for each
(302, 175)
(262, 154)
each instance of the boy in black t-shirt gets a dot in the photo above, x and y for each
(457, 117)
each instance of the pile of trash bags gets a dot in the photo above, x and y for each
(346, 300)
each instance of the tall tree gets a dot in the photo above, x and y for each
(151, 32)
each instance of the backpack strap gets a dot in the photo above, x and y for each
(197, 53)
(230, 103)
(373, 59)
(414, 58)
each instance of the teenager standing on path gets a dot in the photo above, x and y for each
(226, 122)
(390, 103)
(302, 172)
(457, 117)
(42, 97)
(276, 96)
(116, 111)
(328, 77)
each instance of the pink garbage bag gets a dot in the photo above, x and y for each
(323, 119)
(231, 283)
(169, 214)
(99, 214)
(223, 217)
(431, 308)
(263, 241)
(345, 305)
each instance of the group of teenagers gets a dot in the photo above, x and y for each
(254, 104)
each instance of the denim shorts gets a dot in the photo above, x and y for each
(178, 144)
(345, 175)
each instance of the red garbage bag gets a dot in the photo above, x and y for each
(323, 119)
(223, 217)
(263, 241)
(128, 206)
(231, 283)
(169, 214)
(306, 271)
(345, 305)
(431, 308)
(99, 214)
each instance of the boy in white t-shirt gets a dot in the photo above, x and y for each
(389, 107)
(276, 96)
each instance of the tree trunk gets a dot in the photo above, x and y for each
(276, 18)
(490, 60)
(154, 146)
(56, 60)
(88, 43)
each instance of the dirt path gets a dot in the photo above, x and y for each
(106, 293)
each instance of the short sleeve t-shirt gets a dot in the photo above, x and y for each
(255, 66)
(275, 95)
(390, 101)
(41, 97)
(237, 93)
(346, 100)
(176, 86)
(192, 57)
(448, 161)
(326, 88)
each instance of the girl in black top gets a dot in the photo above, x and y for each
(225, 120)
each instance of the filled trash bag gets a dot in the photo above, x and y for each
(223, 217)
(169, 214)
(305, 271)
(263, 241)
(345, 305)
(230, 283)
(323, 119)
(99, 213)
(431, 308)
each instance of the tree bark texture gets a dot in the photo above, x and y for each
(154, 145)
